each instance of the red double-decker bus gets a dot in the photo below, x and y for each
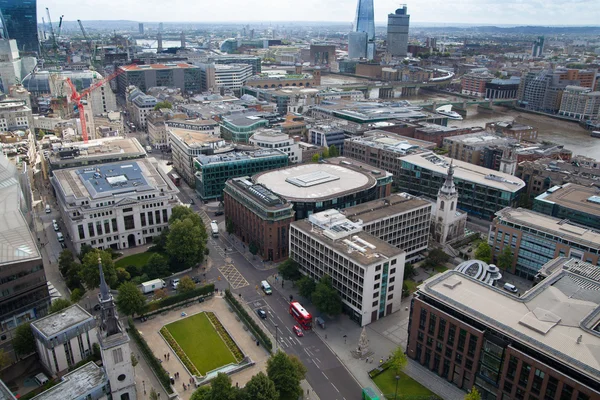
(302, 316)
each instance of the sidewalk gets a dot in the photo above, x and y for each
(235, 243)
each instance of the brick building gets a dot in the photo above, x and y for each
(260, 216)
(474, 83)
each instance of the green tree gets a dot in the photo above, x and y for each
(130, 300)
(306, 287)
(157, 266)
(76, 295)
(159, 243)
(326, 298)
(325, 153)
(505, 259)
(398, 360)
(134, 360)
(260, 387)
(58, 305)
(89, 273)
(438, 256)
(286, 374)
(229, 225)
(186, 242)
(160, 294)
(315, 157)
(24, 342)
(181, 213)
(409, 271)
(85, 249)
(4, 359)
(253, 248)
(484, 252)
(69, 269)
(122, 275)
(153, 394)
(202, 393)
(221, 389)
(163, 104)
(186, 284)
(290, 270)
(473, 394)
(333, 151)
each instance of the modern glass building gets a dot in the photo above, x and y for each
(239, 128)
(19, 22)
(579, 204)
(365, 18)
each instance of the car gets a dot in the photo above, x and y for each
(217, 213)
(192, 202)
(170, 163)
(55, 225)
(261, 313)
(48, 210)
(175, 283)
(41, 379)
(298, 331)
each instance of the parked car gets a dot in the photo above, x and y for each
(261, 313)
(217, 213)
(192, 202)
(55, 225)
(298, 331)
(41, 379)
(170, 163)
(175, 283)
(48, 210)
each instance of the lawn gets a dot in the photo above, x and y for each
(201, 342)
(411, 285)
(139, 260)
(407, 387)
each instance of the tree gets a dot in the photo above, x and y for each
(333, 151)
(24, 342)
(122, 275)
(130, 300)
(4, 359)
(315, 157)
(473, 394)
(163, 104)
(326, 298)
(134, 360)
(202, 393)
(505, 259)
(484, 252)
(398, 360)
(157, 266)
(290, 270)
(85, 249)
(89, 273)
(153, 394)
(229, 225)
(438, 256)
(253, 248)
(69, 269)
(286, 374)
(325, 153)
(221, 389)
(76, 295)
(409, 271)
(306, 287)
(160, 294)
(186, 284)
(180, 213)
(185, 244)
(260, 387)
(58, 305)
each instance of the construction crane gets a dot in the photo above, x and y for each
(77, 97)
(60, 25)
(51, 29)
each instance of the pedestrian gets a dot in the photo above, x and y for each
(307, 392)
(184, 387)
(168, 356)
(366, 360)
(325, 336)
(165, 356)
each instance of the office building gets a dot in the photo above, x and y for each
(239, 127)
(366, 271)
(474, 83)
(471, 148)
(327, 135)
(482, 191)
(273, 79)
(86, 382)
(502, 88)
(359, 44)
(187, 144)
(23, 282)
(400, 219)
(337, 183)
(183, 76)
(232, 76)
(580, 103)
(537, 49)
(536, 238)
(397, 32)
(141, 28)
(258, 216)
(213, 171)
(512, 129)
(321, 54)
(572, 202)
(537, 345)
(118, 205)
(12, 67)
(157, 129)
(140, 105)
(253, 61)
(274, 139)
(19, 20)
(15, 115)
(53, 82)
(65, 338)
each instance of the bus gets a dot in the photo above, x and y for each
(301, 316)
(175, 178)
(214, 228)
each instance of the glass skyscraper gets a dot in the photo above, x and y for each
(365, 18)
(19, 22)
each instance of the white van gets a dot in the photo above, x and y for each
(40, 379)
(60, 237)
(511, 288)
(48, 210)
(266, 287)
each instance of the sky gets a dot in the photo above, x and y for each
(500, 12)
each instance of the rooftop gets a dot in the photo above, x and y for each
(315, 182)
(96, 149)
(466, 172)
(363, 111)
(193, 138)
(269, 135)
(556, 317)
(76, 384)
(135, 67)
(54, 324)
(581, 198)
(259, 193)
(346, 237)
(375, 210)
(243, 119)
(388, 141)
(480, 139)
(542, 222)
(238, 156)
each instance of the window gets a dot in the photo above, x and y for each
(538, 378)
(165, 218)
(125, 210)
(508, 387)
(375, 295)
(472, 345)
(422, 319)
(81, 232)
(524, 375)
(150, 218)
(157, 216)
(375, 303)
(429, 341)
(441, 329)
(551, 388)
(420, 336)
(567, 392)
(117, 356)
(129, 222)
(468, 363)
(143, 219)
(377, 277)
(451, 333)
(432, 322)
(458, 358)
(438, 346)
(91, 229)
(376, 286)
(512, 367)
(391, 296)
(114, 224)
(462, 337)
(582, 396)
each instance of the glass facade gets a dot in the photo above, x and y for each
(365, 18)
(19, 18)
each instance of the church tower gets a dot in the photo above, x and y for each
(508, 162)
(446, 212)
(114, 346)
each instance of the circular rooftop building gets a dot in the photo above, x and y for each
(480, 270)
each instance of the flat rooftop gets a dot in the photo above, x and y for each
(259, 193)
(389, 141)
(96, 149)
(547, 318)
(243, 120)
(315, 182)
(375, 210)
(237, 156)
(480, 139)
(466, 172)
(577, 197)
(371, 111)
(53, 324)
(76, 384)
(142, 67)
(555, 226)
(193, 138)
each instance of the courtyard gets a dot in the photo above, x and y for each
(408, 388)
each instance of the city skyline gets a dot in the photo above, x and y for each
(473, 12)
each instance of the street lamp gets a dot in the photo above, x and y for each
(276, 336)
(397, 379)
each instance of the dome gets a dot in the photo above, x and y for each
(480, 270)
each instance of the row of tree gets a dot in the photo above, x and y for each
(505, 259)
(332, 151)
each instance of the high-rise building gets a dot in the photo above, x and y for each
(359, 45)
(397, 32)
(141, 28)
(538, 47)
(19, 21)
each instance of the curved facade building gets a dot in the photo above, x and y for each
(46, 82)
(482, 271)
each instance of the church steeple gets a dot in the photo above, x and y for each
(448, 187)
(110, 320)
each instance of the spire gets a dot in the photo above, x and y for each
(104, 290)
(448, 187)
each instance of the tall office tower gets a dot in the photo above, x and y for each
(19, 22)
(538, 47)
(160, 26)
(397, 33)
(141, 28)
(360, 46)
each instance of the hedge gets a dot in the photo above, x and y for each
(253, 326)
(153, 362)
(179, 298)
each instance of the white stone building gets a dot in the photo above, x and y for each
(15, 114)
(274, 139)
(447, 222)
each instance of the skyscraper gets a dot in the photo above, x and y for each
(359, 44)
(538, 47)
(19, 22)
(397, 32)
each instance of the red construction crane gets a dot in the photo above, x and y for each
(76, 97)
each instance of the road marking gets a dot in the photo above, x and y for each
(334, 387)
(233, 276)
(318, 360)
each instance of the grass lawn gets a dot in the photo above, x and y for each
(411, 285)
(440, 268)
(201, 342)
(386, 382)
(139, 260)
